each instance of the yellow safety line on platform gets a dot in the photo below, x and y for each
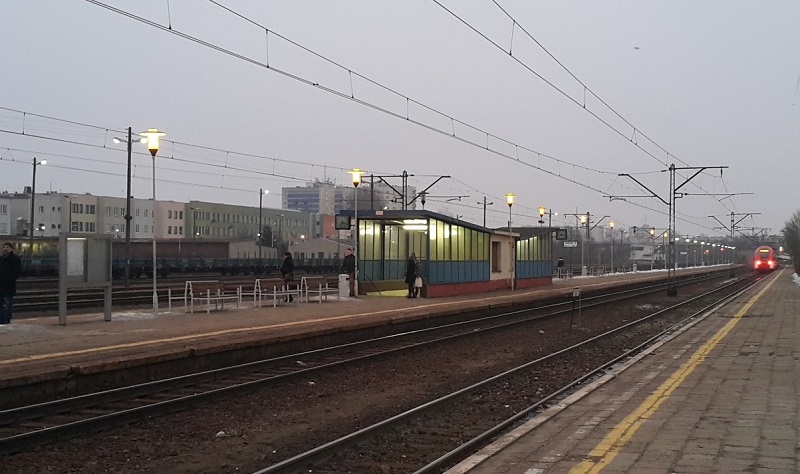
(221, 333)
(611, 446)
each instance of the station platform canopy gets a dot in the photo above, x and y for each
(454, 256)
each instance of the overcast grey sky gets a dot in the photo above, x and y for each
(693, 83)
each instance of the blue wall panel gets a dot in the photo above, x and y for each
(457, 272)
(531, 269)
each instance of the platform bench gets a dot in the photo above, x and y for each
(280, 294)
(208, 292)
(317, 286)
(261, 286)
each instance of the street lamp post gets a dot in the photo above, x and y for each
(510, 201)
(702, 254)
(584, 218)
(261, 193)
(652, 248)
(152, 135)
(550, 214)
(33, 202)
(686, 260)
(357, 173)
(611, 226)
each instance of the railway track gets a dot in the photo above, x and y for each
(42, 423)
(441, 432)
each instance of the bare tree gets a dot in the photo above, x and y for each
(791, 232)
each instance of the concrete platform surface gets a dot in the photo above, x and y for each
(37, 348)
(721, 396)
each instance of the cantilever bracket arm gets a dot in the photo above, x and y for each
(625, 198)
(745, 216)
(720, 223)
(699, 170)
(380, 178)
(652, 194)
(598, 222)
(424, 191)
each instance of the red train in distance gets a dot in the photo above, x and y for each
(764, 260)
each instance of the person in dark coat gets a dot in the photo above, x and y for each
(10, 268)
(349, 267)
(287, 271)
(411, 275)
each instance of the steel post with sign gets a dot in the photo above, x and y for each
(576, 299)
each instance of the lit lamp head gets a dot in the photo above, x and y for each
(652, 232)
(152, 135)
(510, 199)
(542, 212)
(584, 220)
(611, 224)
(356, 173)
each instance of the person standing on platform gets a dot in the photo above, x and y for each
(349, 267)
(560, 266)
(287, 272)
(411, 275)
(10, 268)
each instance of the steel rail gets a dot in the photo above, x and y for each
(479, 441)
(284, 365)
(308, 458)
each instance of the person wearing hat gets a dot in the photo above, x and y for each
(10, 268)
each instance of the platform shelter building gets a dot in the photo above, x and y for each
(455, 257)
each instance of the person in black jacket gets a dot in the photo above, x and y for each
(10, 268)
(411, 275)
(287, 271)
(349, 267)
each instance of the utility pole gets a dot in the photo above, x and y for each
(734, 223)
(484, 209)
(673, 195)
(585, 221)
(128, 216)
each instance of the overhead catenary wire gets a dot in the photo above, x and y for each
(350, 95)
(634, 130)
(172, 157)
(346, 95)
